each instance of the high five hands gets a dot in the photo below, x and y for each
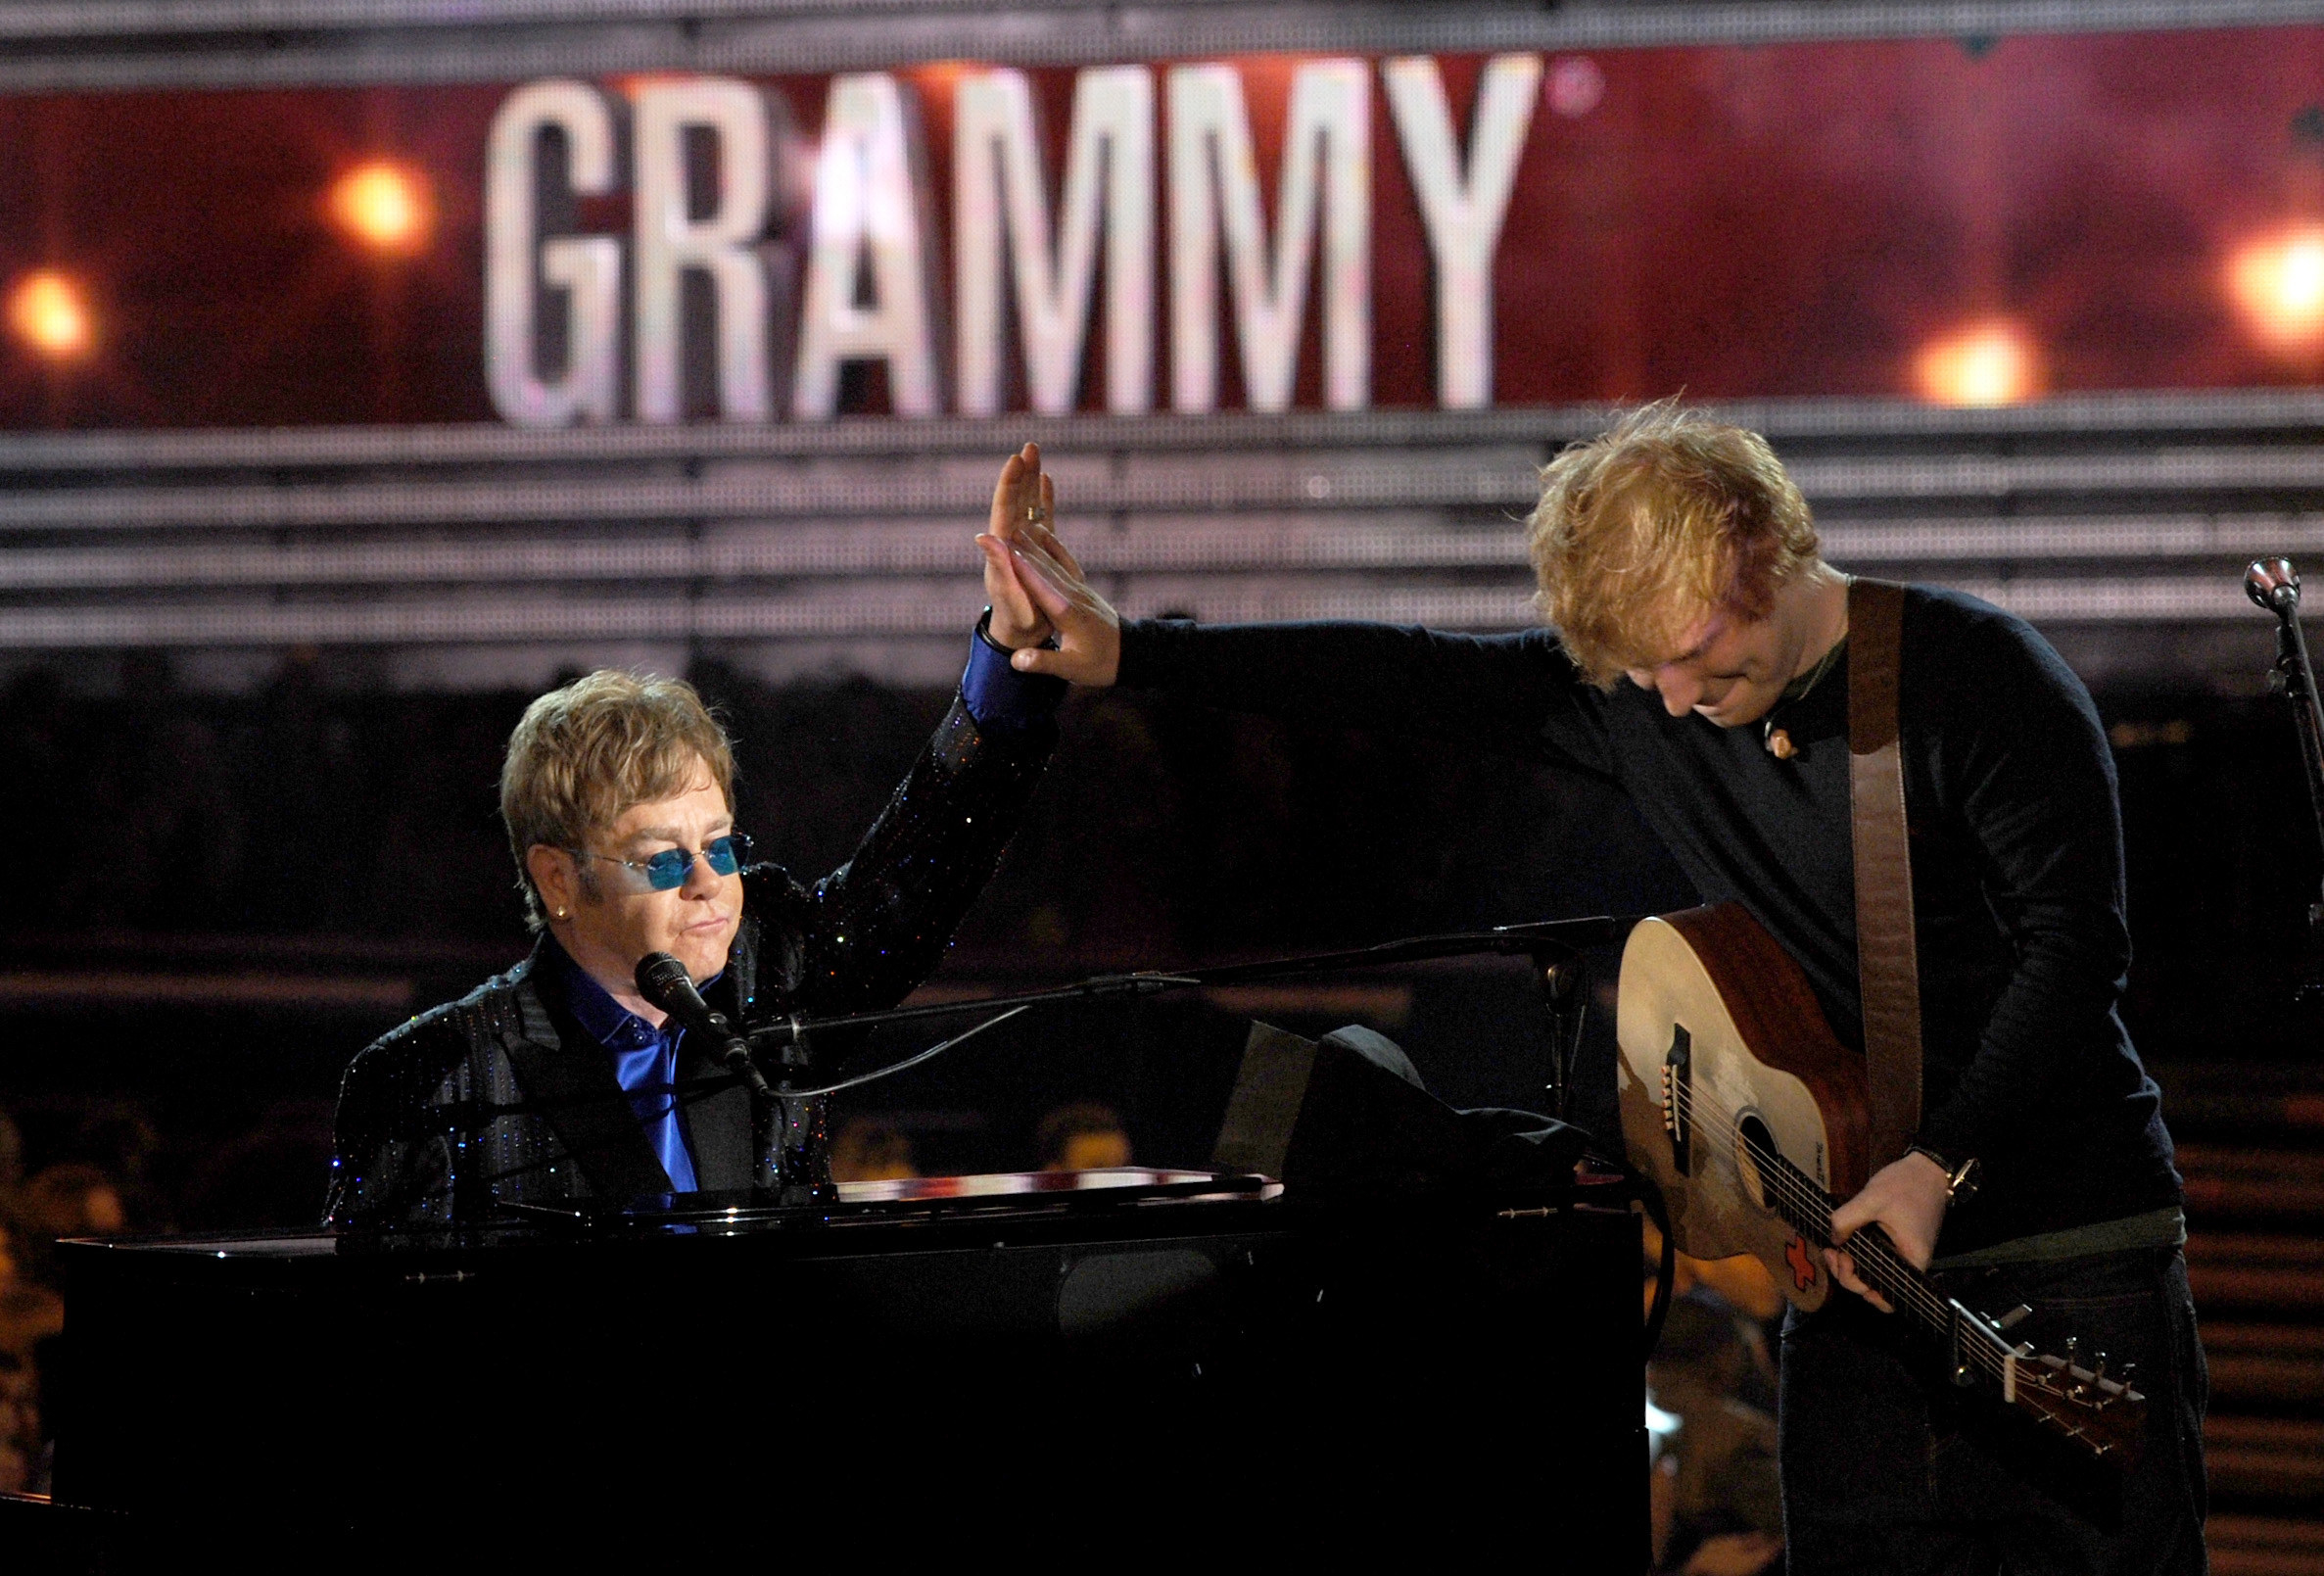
(1036, 586)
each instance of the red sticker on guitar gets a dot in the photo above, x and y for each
(1802, 1263)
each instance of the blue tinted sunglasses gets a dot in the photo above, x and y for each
(668, 870)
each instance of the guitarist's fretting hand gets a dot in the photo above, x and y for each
(1907, 1199)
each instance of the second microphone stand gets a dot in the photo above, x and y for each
(2274, 585)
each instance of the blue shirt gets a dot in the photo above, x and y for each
(643, 1058)
(999, 696)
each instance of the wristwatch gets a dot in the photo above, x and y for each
(1960, 1180)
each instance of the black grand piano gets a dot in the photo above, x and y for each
(1105, 1346)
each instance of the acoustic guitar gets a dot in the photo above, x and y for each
(1749, 1115)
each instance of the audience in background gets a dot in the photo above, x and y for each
(1085, 1136)
(24, 1457)
(870, 1149)
(121, 1140)
(266, 1176)
(30, 1313)
(30, 1308)
(84, 1190)
(75, 1199)
(1713, 1493)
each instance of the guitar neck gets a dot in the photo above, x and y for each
(1881, 1265)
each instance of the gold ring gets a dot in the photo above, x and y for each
(1032, 514)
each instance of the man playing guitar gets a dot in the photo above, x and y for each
(1698, 656)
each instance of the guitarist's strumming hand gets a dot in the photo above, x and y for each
(1906, 1199)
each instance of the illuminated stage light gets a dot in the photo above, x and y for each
(383, 206)
(1576, 87)
(1993, 361)
(48, 311)
(2278, 282)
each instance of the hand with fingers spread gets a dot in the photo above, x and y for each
(1906, 1199)
(1036, 584)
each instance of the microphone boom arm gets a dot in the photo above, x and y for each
(1545, 940)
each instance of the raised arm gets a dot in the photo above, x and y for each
(1513, 693)
(869, 933)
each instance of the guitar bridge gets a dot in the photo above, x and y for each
(1677, 1091)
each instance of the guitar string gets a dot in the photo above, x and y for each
(1798, 1188)
(1876, 1255)
(1777, 1168)
(1879, 1265)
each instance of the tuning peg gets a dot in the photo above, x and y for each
(2095, 1385)
(2070, 1376)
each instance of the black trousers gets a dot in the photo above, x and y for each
(1887, 1469)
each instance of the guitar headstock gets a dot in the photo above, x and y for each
(2097, 1410)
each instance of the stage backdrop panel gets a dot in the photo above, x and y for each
(1977, 221)
(467, 383)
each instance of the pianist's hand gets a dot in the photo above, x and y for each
(1023, 497)
(1037, 578)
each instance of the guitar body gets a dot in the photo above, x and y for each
(1750, 1116)
(1726, 1054)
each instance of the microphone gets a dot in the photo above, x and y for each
(663, 980)
(2274, 585)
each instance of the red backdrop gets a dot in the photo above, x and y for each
(1776, 221)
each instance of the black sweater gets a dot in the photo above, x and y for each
(2017, 854)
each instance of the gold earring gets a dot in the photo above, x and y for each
(560, 914)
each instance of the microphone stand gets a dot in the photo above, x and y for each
(2273, 583)
(790, 1136)
(1554, 947)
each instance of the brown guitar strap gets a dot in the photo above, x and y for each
(1888, 967)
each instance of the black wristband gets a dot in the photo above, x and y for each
(984, 634)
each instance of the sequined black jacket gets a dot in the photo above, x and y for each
(422, 1137)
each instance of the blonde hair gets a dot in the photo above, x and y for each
(583, 754)
(1661, 519)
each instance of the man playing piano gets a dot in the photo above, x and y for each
(559, 1079)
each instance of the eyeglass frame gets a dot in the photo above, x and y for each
(739, 840)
